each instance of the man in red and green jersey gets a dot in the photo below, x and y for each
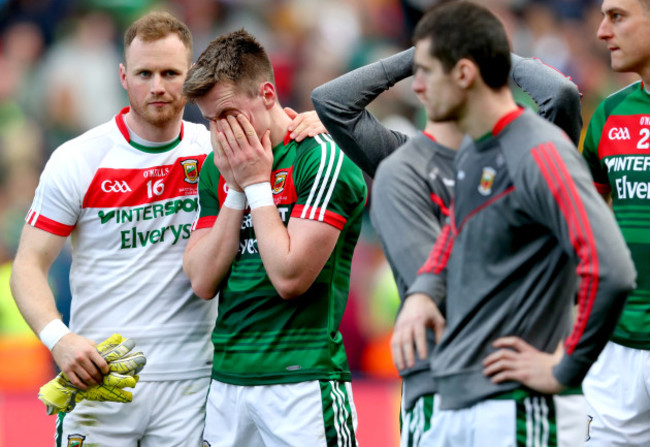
(617, 149)
(274, 236)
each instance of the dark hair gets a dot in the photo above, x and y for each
(235, 57)
(466, 30)
(158, 25)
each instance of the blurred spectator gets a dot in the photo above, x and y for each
(78, 82)
(45, 14)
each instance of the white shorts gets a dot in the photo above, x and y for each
(416, 421)
(617, 389)
(162, 414)
(528, 419)
(305, 414)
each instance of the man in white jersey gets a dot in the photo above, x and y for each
(126, 193)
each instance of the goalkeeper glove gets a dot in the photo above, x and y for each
(59, 395)
(115, 347)
(123, 374)
(110, 389)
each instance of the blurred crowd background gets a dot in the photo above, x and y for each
(59, 77)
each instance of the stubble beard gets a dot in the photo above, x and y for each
(158, 117)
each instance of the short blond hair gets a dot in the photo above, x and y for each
(158, 25)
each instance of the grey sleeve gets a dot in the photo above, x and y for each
(432, 276)
(431, 284)
(556, 96)
(405, 219)
(570, 206)
(341, 106)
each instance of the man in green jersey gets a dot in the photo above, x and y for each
(617, 149)
(275, 233)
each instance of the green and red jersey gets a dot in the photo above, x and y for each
(260, 338)
(617, 149)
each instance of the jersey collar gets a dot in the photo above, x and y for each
(429, 135)
(121, 125)
(287, 138)
(506, 119)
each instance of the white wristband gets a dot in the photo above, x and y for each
(235, 200)
(259, 195)
(53, 332)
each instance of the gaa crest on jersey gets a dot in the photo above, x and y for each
(279, 182)
(487, 180)
(191, 170)
(76, 440)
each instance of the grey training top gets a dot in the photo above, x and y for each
(528, 232)
(415, 183)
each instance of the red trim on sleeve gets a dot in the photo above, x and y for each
(603, 188)
(507, 119)
(49, 225)
(329, 217)
(566, 195)
(439, 256)
(441, 204)
(205, 222)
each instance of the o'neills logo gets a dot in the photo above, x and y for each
(487, 179)
(191, 170)
(279, 182)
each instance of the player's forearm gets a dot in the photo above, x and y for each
(341, 105)
(556, 96)
(591, 237)
(598, 311)
(292, 257)
(209, 256)
(32, 294)
(274, 246)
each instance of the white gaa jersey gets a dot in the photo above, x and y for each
(129, 212)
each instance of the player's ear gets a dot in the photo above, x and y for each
(123, 76)
(465, 72)
(268, 94)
